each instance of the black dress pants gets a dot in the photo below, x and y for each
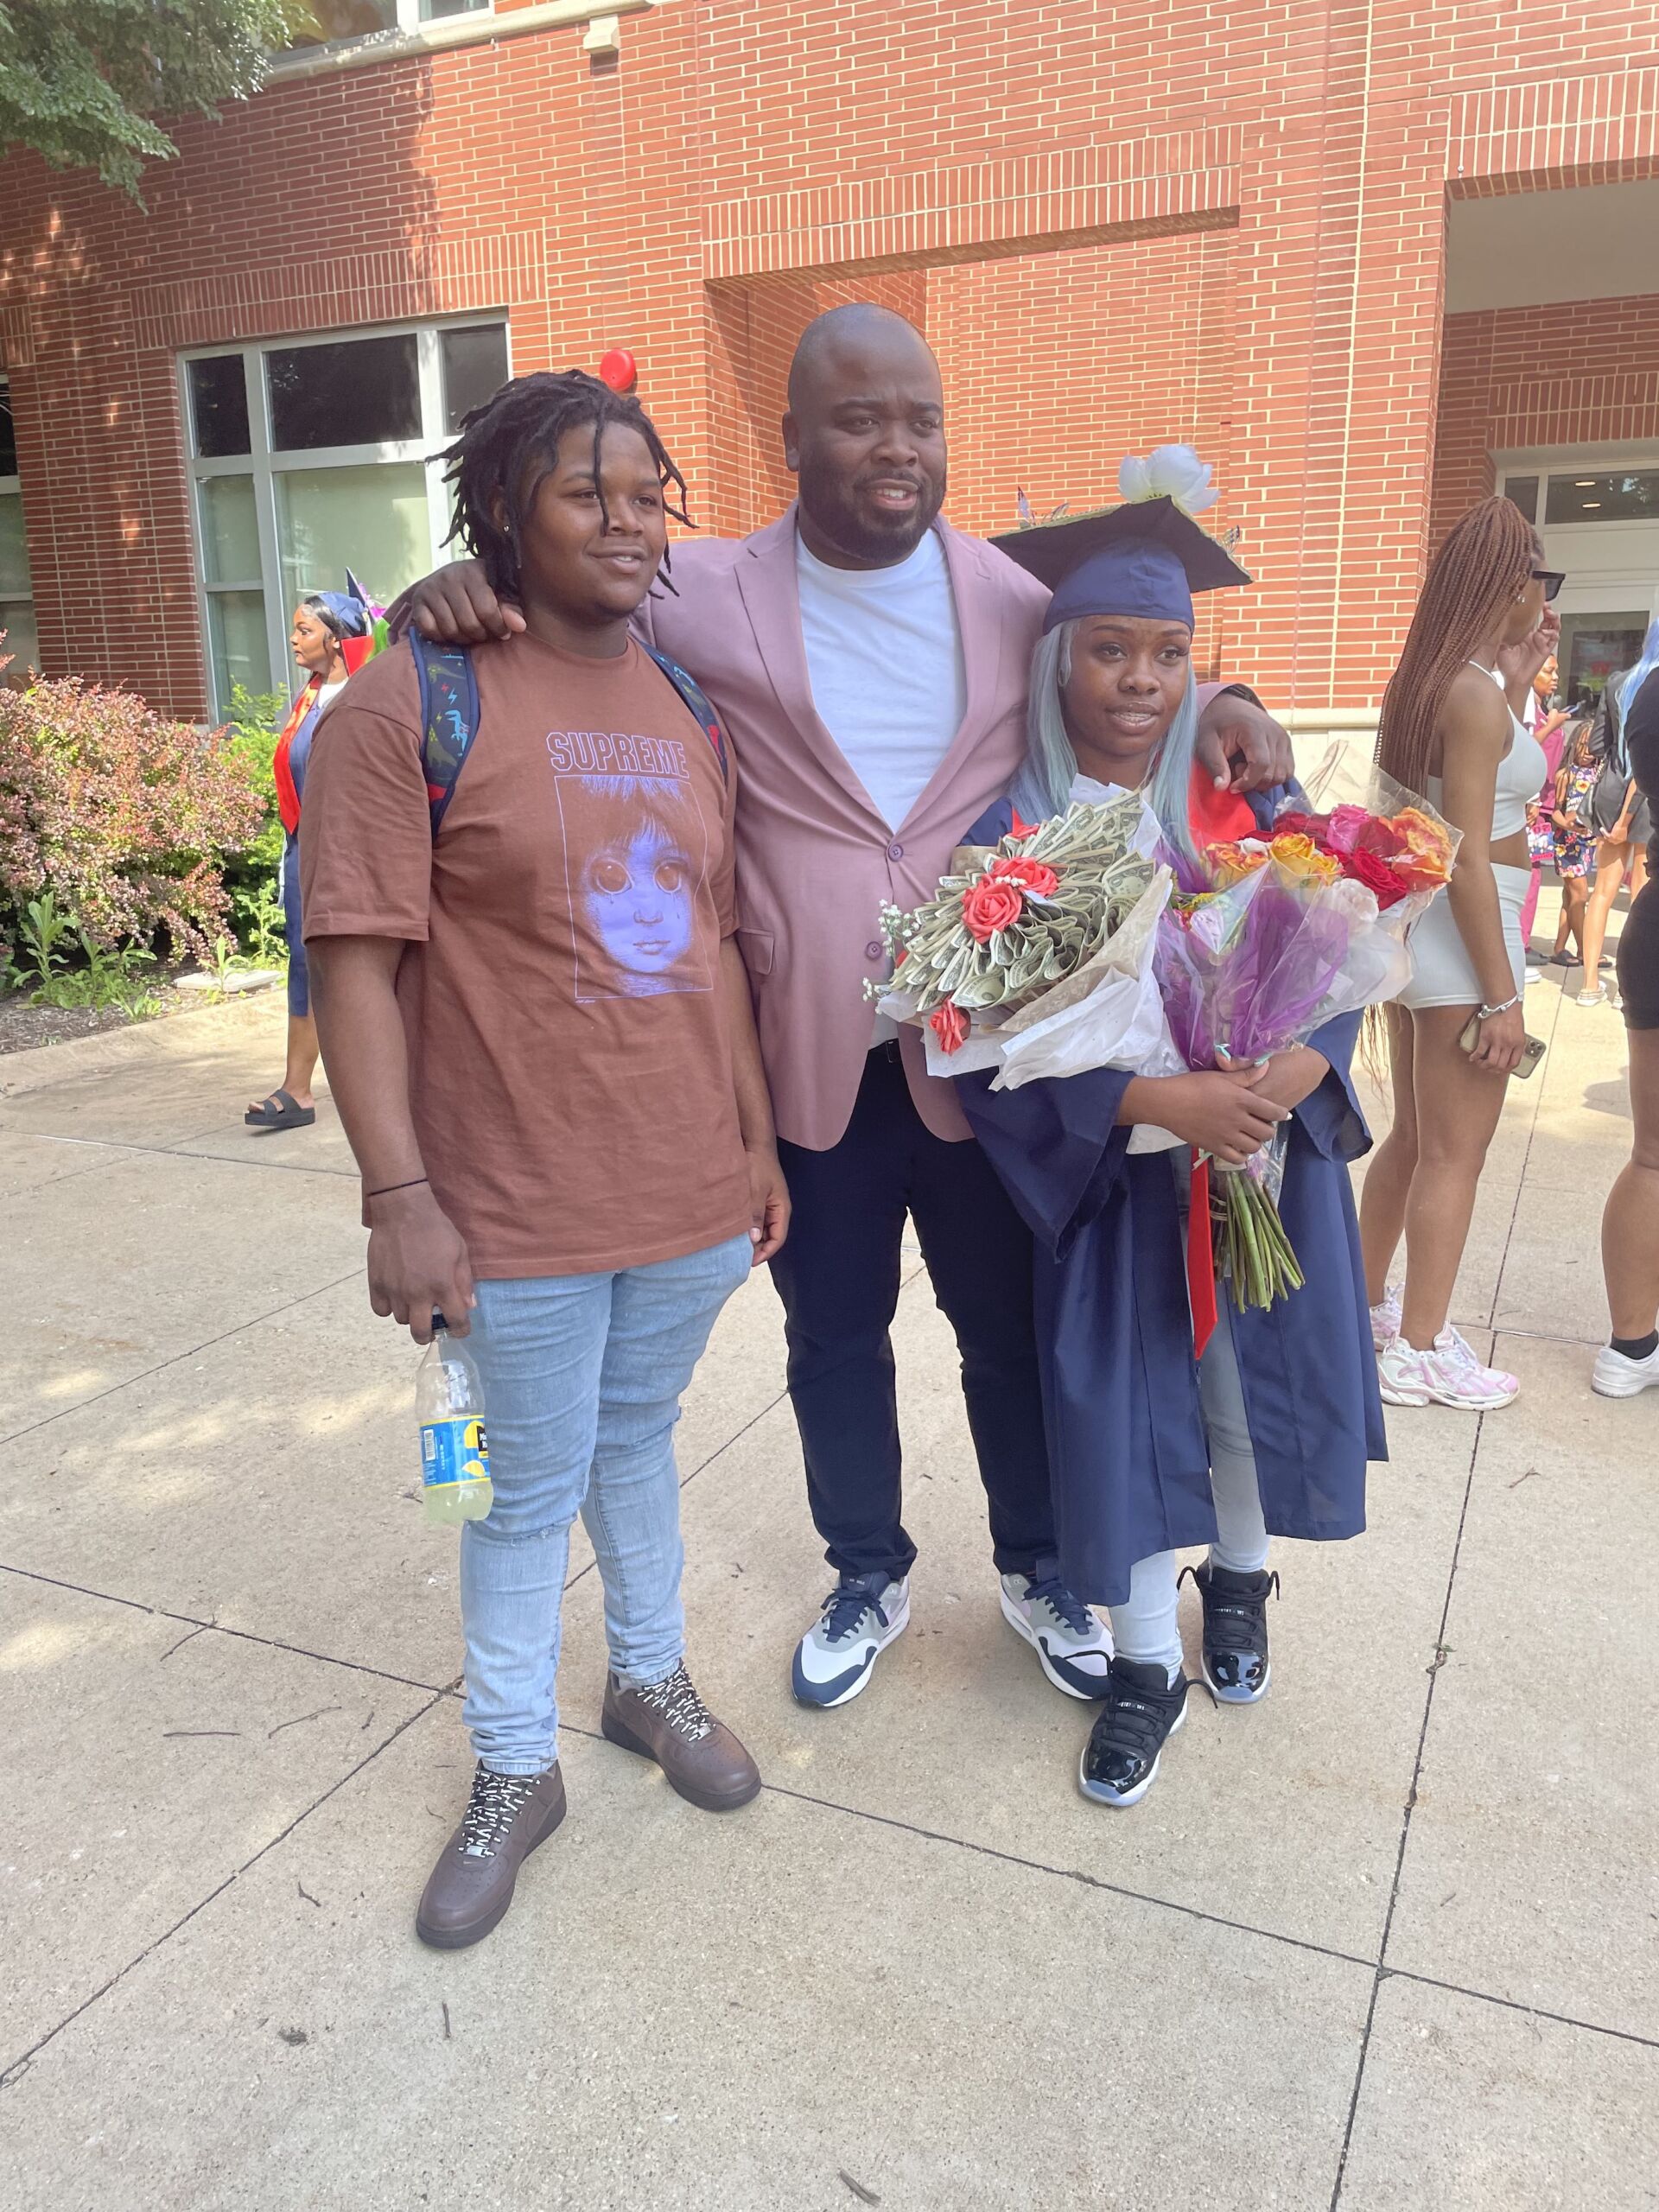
(838, 1276)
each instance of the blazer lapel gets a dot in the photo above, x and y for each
(981, 633)
(767, 580)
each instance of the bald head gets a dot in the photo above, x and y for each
(843, 341)
(865, 436)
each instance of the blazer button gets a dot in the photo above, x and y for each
(873, 950)
(896, 852)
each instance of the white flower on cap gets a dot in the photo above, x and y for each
(1173, 473)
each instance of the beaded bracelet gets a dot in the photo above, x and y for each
(1487, 1012)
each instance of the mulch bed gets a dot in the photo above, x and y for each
(22, 1026)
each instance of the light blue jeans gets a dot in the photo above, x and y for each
(582, 1377)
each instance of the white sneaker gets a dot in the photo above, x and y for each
(1450, 1375)
(834, 1659)
(1617, 1375)
(1073, 1647)
(1385, 1318)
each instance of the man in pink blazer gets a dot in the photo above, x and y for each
(869, 665)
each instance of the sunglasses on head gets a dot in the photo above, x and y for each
(1551, 581)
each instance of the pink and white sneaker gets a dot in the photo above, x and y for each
(1385, 1318)
(1450, 1375)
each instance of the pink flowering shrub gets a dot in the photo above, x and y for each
(124, 816)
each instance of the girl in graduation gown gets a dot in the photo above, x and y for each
(1153, 1448)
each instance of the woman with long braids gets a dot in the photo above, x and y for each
(538, 1033)
(1452, 727)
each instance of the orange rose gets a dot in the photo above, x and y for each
(992, 904)
(1230, 863)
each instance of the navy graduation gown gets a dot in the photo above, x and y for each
(1126, 1442)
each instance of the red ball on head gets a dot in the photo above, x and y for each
(618, 369)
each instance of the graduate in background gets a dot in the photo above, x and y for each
(1151, 1449)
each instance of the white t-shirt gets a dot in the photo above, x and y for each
(884, 653)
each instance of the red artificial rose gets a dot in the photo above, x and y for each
(1018, 829)
(950, 1025)
(1376, 875)
(990, 904)
(1033, 874)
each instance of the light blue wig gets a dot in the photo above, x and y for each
(1044, 785)
(1633, 682)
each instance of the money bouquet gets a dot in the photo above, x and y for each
(1024, 930)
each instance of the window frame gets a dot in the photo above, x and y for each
(408, 23)
(264, 465)
(12, 487)
(1638, 457)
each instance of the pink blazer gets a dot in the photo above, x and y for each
(816, 862)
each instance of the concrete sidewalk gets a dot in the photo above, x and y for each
(1386, 1943)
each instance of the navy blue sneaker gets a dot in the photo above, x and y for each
(835, 1658)
(1236, 1665)
(1142, 1710)
(1073, 1646)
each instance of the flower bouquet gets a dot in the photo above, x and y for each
(1294, 928)
(1011, 929)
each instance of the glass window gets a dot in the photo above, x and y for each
(328, 23)
(239, 644)
(360, 391)
(339, 474)
(373, 519)
(8, 436)
(218, 405)
(230, 530)
(1623, 495)
(14, 581)
(1523, 491)
(474, 369)
(22, 639)
(432, 11)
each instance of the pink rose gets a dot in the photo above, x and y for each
(990, 904)
(1342, 831)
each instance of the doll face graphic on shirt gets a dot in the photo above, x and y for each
(635, 853)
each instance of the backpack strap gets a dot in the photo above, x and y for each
(448, 717)
(695, 700)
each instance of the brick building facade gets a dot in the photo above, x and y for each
(1117, 224)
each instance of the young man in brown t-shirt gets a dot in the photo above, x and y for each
(539, 1032)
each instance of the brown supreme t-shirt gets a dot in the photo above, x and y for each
(569, 1066)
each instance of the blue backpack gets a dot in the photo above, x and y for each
(449, 714)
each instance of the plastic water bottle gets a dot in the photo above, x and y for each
(454, 1450)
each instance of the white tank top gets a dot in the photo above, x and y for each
(1520, 774)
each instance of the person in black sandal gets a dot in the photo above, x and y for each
(330, 638)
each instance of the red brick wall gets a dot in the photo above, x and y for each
(1121, 224)
(1517, 377)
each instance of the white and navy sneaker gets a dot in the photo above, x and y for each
(1073, 1647)
(1142, 1710)
(836, 1656)
(1616, 1375)
(1236, 1663)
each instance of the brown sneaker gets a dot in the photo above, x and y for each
(471, 1886)
(670, 1723)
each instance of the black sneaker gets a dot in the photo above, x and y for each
(1142, 1709)
(1236, 1663)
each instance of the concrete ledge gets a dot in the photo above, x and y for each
(481, 29)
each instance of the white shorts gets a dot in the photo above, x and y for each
(1442, 973)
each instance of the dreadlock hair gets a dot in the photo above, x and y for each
(510, 445)
(1486, 558)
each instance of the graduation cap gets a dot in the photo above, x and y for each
(1146, 557)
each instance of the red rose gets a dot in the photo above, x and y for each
(950, 1025)
(1361, 866)
(1380, 837)
(990, 904)
(1292, 824)
(1033, 874)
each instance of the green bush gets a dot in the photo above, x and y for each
(253, 875)
(125, 817)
